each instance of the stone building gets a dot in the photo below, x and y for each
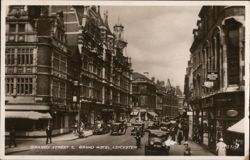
(144, 97)
(63, 63)
(214, 82)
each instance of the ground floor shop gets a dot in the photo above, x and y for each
(213, 115)
(32, 120)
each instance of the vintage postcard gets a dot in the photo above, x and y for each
(115, 79)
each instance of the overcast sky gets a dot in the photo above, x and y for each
(158, 38)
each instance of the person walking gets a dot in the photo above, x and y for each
(187, 149)
(138, 139)
(48, 135)
(221, 148)
(12, 136)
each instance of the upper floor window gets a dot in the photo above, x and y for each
(9, 86)
(16, 27)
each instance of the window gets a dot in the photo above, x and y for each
(21, 27)
(24, 86)
(233, 56)
(12, 27)
(10, 56)
(24, 56)
(9, 86)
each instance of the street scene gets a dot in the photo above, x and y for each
(125, 80)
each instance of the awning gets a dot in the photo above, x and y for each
(27, 107)
(153, 114)
(134, 113)
(237, 127)
(27, 115)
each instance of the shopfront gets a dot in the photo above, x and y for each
(216, 114)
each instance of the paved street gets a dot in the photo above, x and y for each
(97, 145)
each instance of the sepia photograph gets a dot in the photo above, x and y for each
(111, 79)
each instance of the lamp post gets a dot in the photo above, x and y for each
(77, 99)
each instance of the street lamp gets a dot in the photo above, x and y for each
(77, 99)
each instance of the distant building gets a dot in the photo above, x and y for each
(214, 81)
(143, 97)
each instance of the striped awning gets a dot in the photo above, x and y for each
(134, 113)
(27, 115)
(153, 114)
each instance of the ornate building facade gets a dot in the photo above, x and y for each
(214, 82)
(63, 63)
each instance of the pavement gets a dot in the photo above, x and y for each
(23, 144)
(196, 149)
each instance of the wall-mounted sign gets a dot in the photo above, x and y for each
(38, 98)
(208, 84)
(212, 76)
(232, 113)
(74, 98)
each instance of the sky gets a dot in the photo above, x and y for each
(159, 38)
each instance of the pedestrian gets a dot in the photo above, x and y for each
(179, 135)
(75, 127)
(48, 135)
(187, 149)
(221, 148)
(138, 139)
(12, 136)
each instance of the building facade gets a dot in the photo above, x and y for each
(63, 63)
(144, 97)
(38, 72)
(214, 82)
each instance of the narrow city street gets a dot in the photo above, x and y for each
(99, 145)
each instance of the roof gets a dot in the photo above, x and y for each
(137, 76)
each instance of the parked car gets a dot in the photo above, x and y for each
(137, 127)
(156, 143)
(118, 128)
(100, 128)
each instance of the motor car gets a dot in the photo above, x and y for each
(100, 128)
(156, 143)
(118, 128)
(153, 125)
(137, 127)
(165, 126)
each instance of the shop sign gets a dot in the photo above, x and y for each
(232, 113)
(74, 98)
(189, 113)
(208, 84)
(212, 76)
(38, 98)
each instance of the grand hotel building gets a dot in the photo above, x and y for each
(63, 63)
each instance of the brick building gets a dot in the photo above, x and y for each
(64, 63)
(214, 82)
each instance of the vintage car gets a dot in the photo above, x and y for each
(118, 128)
(100, 128)
(156, 143)
(138, 127)
(165, 126)
(153, 125)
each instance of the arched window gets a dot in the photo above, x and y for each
(232, 42)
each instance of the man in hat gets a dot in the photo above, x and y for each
(187, 149)
(221, 148)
